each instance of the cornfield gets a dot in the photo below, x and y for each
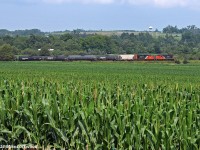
(100, 105)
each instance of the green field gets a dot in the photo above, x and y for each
(100, 105)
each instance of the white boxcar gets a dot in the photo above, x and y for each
(126, 57)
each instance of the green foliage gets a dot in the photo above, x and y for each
(30, 52)
(44, 51)
(177, 61)
(100, 105)
(72, 45)
(66, 37)
(6, 52)
(21, 32)
(171, 29)
(185, 61)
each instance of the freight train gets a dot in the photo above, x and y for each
(110, 57)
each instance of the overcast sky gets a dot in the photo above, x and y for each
(60, 15)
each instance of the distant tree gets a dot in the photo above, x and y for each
(6, 53)
(30, 52)
(157, 48)
(20, 42)
(171, 29)
(125, 36)
(27, 32)
(187, 37)
(4, 32)
(8, 39)
(44, 51)
(57, 52)
(31, 41)
(72, 45)
(192, 27)
(66, 37)
(78, 31)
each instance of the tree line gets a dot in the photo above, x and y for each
(181, 43)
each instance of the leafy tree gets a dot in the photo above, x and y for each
(57, 52)
(30, 52)
(171, 29)
(157, 48)
(27, 32)
(6, 53)
(44, 51)
(125, 36)
(72, 45)
(20, 42)
(32, 40)
(8, 39)
(66, 37)
(4, 32)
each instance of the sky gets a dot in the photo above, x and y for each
(61, 15)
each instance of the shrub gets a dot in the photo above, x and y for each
(177, 61)
(185, 61)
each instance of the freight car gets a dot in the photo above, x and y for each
(48, 58)
(44, 58)
(126, 57)
(112, 57)
(23, 58)
(81, 57)
(60, 58)
(169, 57)
(30, 58)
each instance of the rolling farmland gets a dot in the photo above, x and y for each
(100, 105)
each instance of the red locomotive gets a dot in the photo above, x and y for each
(156, 57)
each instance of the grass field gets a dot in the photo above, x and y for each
(100, 105)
